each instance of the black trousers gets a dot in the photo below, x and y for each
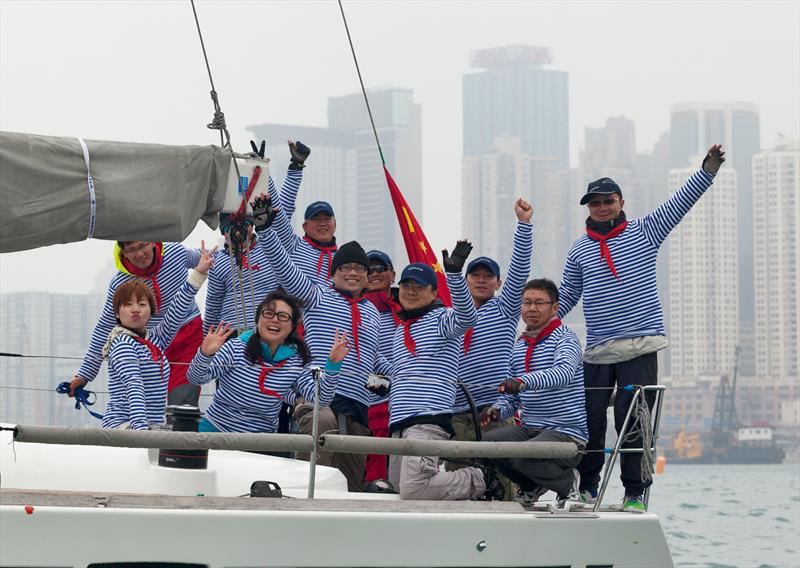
(642, 370)
(554, 474)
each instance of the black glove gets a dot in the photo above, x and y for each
(488, 415)
(713, 160)
(263, 213)
(258, 152)
(511, 386)
(299, 153)
(455, 262)
(378, 385)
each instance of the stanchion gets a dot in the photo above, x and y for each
(312, 467)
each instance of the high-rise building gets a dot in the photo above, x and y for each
(703, 317)
(776, 218)
(493, 182)
(345, 167)
(694, 127)
(510, 93)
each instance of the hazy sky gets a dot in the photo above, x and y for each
(134, 72)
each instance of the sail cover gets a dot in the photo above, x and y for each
(127, 191)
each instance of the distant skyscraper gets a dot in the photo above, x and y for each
(703, 288)
(345, 167)
(776, 215)
(694, 127)
(511, 94)
(493, 182)
(610, 146)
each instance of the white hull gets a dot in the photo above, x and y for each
(94, 504)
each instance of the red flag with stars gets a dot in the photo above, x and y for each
(417, 245)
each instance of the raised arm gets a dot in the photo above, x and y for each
(282, 224)
(215, 359)
(658, 224)
(93, 359)
(192, 257)
(520, 267)
(329, 377)
(215, 293)
(463, 315)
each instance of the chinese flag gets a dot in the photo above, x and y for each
(417, 245)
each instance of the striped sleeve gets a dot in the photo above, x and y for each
(175, 317)
(329, 378)
(658, 224)
(454, 322)
(382, 365)
(124, 360)
(566, 359)
(289, 191)
(93, 359)
(215, 293)
(204, 369)
(282, 225)
(571, 289)
(508, 404)
(518, 271)
(291, 278)
(192, 257)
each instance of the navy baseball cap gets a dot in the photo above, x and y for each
(319, 207)
(487, 263)
(420, 273)
(602, 186)
(382, 257)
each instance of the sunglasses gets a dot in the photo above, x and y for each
(599, 202)
(378, 269)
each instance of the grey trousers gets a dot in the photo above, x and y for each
(419, 477)
(351, 465)
(553, 474)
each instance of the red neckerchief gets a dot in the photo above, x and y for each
(384, 303)
(407, 339)
(263, 376)
(355, 316)
(323, 252)
(532, 341)
(604, 252)
(246, 263)
(155, 352)
(151, 272)
(468, 339)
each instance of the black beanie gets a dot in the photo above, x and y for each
(349, 252)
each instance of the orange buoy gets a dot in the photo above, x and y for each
(661, 461)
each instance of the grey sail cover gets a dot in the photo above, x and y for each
(148, 192)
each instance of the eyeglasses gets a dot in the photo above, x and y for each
(136, 250)
(537, 303)
(599, 202)
(280, 316)
(378, 269)
(357, 268)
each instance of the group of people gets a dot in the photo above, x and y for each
(394, 360)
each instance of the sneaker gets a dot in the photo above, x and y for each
(528, 498)
(494, 487)
(378, 486)
(634, 504)
(589, 496)
(573, 498)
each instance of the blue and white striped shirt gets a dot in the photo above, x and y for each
(239, 404)
(172, 275)
(425, 384)
(629, 306)
(326, 310)
(483, 366)
(136, 387)
(553, 398)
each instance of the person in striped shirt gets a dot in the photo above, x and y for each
(328, 307)
(613, 268)
(261, 368)
(544, 379)
(483, 359)
(138, 372)
(162, 267)
(425, 370)
(385, 299)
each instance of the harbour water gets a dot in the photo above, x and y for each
(728, 516)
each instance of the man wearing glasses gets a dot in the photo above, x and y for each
(341, 306)
(162, 266)
(613, 267)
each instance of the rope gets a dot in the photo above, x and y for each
(83, 397)
(360, 80)
(642, 427)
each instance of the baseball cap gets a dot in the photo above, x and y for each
(602, 186)
(382, 257)
(486, 262)
(318, 207)
(420, 273)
